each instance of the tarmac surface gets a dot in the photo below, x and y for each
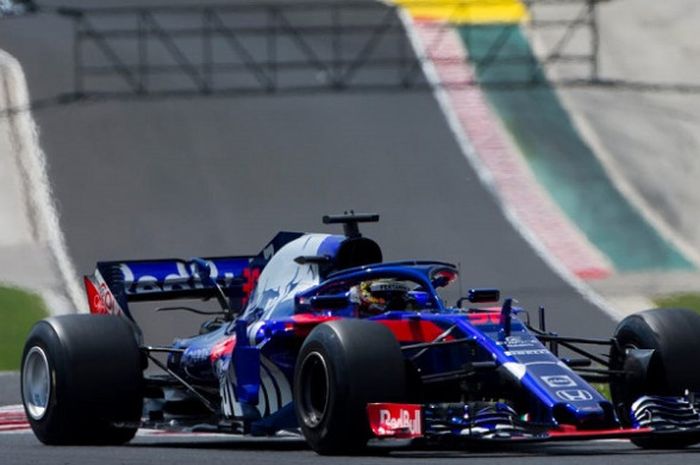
(22, 448)
(9, 388)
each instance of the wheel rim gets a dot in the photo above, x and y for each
(36, 383)
(315, 384)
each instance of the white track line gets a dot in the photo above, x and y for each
(32, 160)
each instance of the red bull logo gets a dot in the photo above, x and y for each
(395, 420)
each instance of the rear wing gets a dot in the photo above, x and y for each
(117, 283)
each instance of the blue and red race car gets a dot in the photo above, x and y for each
(316, 333)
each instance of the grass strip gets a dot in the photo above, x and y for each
(687, 300)
(19, 310)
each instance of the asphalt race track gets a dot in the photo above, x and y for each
(215, 176)
(23, 448)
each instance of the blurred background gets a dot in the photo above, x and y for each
(548, 147)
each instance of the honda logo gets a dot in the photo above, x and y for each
(574, 395)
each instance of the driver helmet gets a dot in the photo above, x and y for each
(375, 297)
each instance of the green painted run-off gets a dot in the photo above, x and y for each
(561, 161)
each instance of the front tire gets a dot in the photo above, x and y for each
(82, 381)
(674, 335)
(343, 365)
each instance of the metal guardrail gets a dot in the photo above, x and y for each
(252, 48)
(277, 47)
(301, 47)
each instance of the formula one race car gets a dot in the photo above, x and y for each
(316, 333)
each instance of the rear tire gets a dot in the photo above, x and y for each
(82, 381)
(674, 334)
(343, 365)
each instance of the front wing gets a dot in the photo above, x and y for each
(497, 422)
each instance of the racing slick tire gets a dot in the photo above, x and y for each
(82, 380)
(343, 365)
(674, 335)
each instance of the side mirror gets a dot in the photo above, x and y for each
(476, 296)
(329, 302)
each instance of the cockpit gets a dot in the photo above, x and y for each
(376, 289)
